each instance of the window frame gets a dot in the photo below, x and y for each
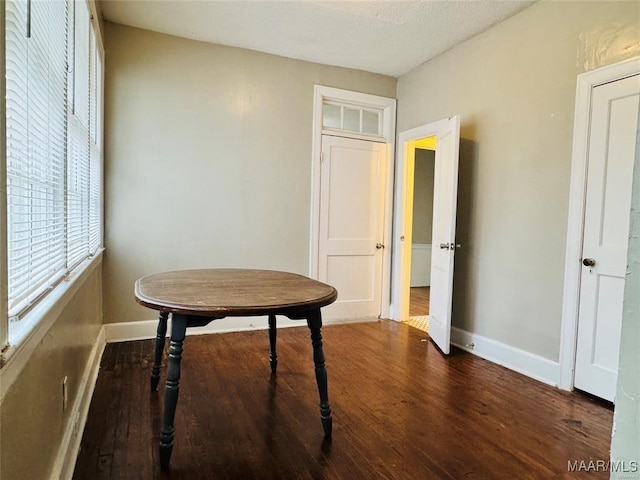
(343, 131)
(17, 343)
(4, 317)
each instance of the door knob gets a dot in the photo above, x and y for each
(589, 262)
(444, 246)
(379, 246)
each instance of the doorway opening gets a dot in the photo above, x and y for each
(424, 160)
(442, 136)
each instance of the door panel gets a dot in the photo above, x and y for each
(612, 137)
(445, 195)
(352, 189)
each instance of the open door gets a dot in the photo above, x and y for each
(447, 141)
(445, 196)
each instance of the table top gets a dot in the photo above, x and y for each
(231, 292)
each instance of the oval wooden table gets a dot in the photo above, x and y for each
(194, 298)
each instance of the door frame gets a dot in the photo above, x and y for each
(388, 107)
(575, 229)
(403, 226)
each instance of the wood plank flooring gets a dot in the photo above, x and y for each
(401, 411)
(419, 301)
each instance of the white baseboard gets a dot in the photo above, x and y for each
(68, 451)
(521, 361)
(143, 330)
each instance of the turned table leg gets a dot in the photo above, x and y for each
(178, 331)
(157, 358)
(314, 321)
(273, 335)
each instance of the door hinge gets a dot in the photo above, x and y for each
(321, 157)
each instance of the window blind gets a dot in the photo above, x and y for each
(54, 152)
(78, 171)
(36, 49)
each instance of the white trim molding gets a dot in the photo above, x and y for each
(388, 108)
(402, 210)
(146, 329)
(70, 446)
(571, 296)
(4, 322)
(521, 361)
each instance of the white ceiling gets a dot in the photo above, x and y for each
(388, 37)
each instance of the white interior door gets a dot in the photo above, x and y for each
(352, 199)
(445, 196)
(612, 138)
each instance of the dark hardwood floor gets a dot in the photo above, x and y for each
(401, 411)
(419, 301)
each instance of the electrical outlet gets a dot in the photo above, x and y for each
(65, 397)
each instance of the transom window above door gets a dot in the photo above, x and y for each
(350, 118)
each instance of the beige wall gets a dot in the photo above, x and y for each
(423, 196)
(31, 415)
(208, 158)
(514, 88)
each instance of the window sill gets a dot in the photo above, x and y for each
(24, 339)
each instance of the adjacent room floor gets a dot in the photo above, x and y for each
(419, 298)
(401, 410)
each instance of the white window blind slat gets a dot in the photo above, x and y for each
(77, 192)
(35, 294)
